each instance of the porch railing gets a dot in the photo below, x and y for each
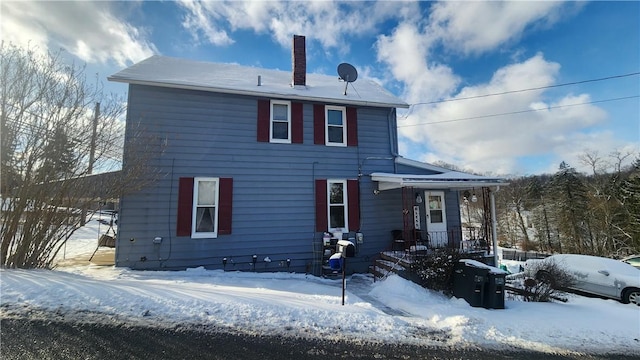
(436, 239)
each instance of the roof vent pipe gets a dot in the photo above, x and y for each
(259, 80)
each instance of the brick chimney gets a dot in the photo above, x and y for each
(299, 60)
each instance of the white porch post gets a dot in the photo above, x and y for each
(494, 226)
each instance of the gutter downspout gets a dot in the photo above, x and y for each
(393, 134)
(494, 226)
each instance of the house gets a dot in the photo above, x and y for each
(256, 165)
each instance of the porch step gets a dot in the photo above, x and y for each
(390, 262)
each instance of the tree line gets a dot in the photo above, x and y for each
(571, 212)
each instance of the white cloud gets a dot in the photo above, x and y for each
(89, 30)
(406, 52)
(463, 132)
(198, 20)
(475, 26)
(330, 23)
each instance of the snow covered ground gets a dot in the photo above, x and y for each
(393, 310)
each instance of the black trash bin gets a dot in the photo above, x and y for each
(469, 282)
(494, 290)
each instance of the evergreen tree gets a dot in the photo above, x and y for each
(569, 195)
(58, 157)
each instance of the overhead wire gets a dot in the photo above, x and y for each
(405, 116)
(528, 89)
(522, 111)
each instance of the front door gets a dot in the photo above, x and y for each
(436, 218)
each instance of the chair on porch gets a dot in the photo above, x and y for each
(397, 238)
(421, 243)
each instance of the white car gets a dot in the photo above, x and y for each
(595, 275)
(633, 260)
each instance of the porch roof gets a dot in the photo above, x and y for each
(446, 180)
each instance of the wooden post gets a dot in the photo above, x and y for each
(344, 278)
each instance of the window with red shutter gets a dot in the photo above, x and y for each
(335, 125)
(337, 205)
(204, 207)
(280, 121)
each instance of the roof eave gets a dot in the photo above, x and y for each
(397, 181)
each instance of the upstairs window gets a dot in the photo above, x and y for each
(280, 121)
(280, 129)
(336, 126)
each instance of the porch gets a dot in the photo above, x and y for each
(399, 261)
(431, 211)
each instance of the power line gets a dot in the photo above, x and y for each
(522, 111)
(529, 89)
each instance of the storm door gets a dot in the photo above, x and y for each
(436, 218)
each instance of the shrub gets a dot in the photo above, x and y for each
(435, 270)
(547, 281)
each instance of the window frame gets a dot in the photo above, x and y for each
(345, 204)
(194, 209)
(272, 120)
(343, 110)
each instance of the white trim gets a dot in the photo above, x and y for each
(271, 120)
(450, 180)
(342, 109)
(345, 200)
(194, 212)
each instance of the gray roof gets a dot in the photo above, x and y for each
(236, 79)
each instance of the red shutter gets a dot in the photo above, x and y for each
(318, 124)
(225, 202)
(264, 117)
(352, 126)
(353, 197)
(322, 223)
(185, 206)
(296, 123)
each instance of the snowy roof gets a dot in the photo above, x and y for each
(236, 79)
(443, 179)
(449, 180)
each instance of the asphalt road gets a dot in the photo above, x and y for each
(29, 339)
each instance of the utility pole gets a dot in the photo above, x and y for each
(92, 155)
(94, 135)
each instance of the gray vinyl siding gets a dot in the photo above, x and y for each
(200, 134)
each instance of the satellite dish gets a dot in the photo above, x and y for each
(348, 74)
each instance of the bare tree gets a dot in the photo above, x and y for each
(619, 157)
(48, 149)
(592, 159)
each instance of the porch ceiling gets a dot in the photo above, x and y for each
(448, 180)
